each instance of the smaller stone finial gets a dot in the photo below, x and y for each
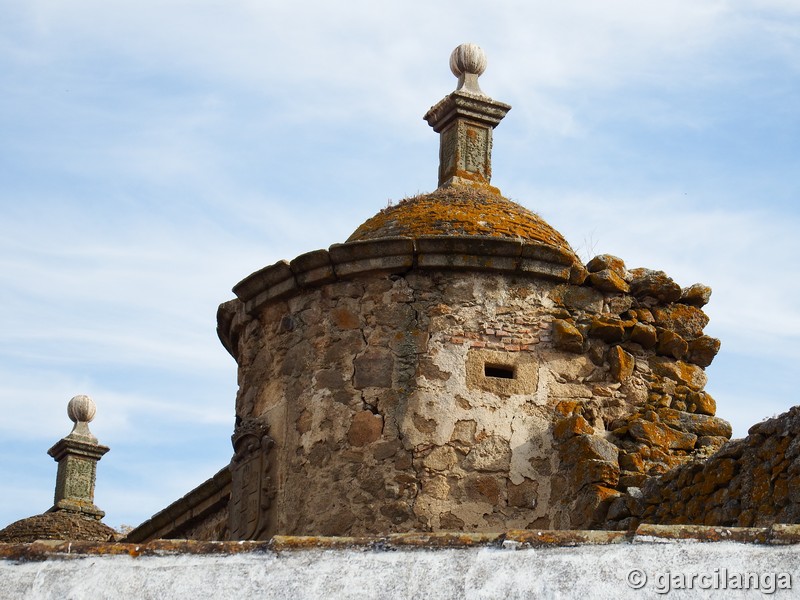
(77, 456)
(468, 62)
(81, 410)
(464, 120)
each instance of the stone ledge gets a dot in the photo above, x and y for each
(777, 535)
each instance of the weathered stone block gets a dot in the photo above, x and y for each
(608, 281)
(711, 443)
(365, 428)
(373, 369)
(591, 506)
(566, 336)
(631, 461)
(490, 454)
(672, 344)
(621, 363)
(278, 276)
(579, 298)
(656, 284)
(523, 495)
(468, 252)
(547, 253)
(703, 403)
(389, 254)
(588, 447)
(607, 262)
(703, 350)
(686, 321)
(659, 435)
(571, 426)
(387, 449)
(313, 268)
(546, 270)
(644, 334)
(441, 458)
(483, 488)
(696, 295)
(596, 471)
(679, 371)
(608, 329)
(695, 423)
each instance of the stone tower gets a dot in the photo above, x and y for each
(454, 366)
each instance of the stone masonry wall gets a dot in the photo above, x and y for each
(471, 400)
(752, 482)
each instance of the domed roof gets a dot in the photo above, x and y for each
(59, 525)
(460, 210)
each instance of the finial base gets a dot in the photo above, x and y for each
(464, 122)
(82, 508)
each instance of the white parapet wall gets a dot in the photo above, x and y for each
(673, 561)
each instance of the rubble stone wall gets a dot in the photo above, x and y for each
(752, 482)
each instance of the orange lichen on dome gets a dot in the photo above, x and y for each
(458, 211)
(59, 525)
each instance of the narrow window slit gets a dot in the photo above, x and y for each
(499, 371)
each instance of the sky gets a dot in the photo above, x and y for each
(153, 154)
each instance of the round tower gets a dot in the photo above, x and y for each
(454, 366)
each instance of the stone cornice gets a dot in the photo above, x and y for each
(474, 107)
(285, 279)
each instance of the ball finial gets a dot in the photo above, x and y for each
(81, 409)
(468, 58)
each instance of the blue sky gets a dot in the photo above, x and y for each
(153, 154)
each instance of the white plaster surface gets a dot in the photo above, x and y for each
(588, 571)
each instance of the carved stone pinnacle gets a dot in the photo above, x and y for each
(77, 456)
(464, 121)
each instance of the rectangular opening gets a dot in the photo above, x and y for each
(499, 371)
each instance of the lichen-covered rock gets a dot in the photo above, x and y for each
(608, 281)
(696, 295)
(608, 329)
(566, 336)
(644, 334)
(655, 284)
(604, 262)
(661, 435)
(702, 403)
(700, 425)
(571, 426)
(681, 372)
(588, 447)
(621, 363)
(686, 321)
(596, 471)
(672, 344)
(703, 350)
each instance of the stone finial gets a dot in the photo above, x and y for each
(77, 456)
(464, 121)
(468, 62)
(81, 410)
